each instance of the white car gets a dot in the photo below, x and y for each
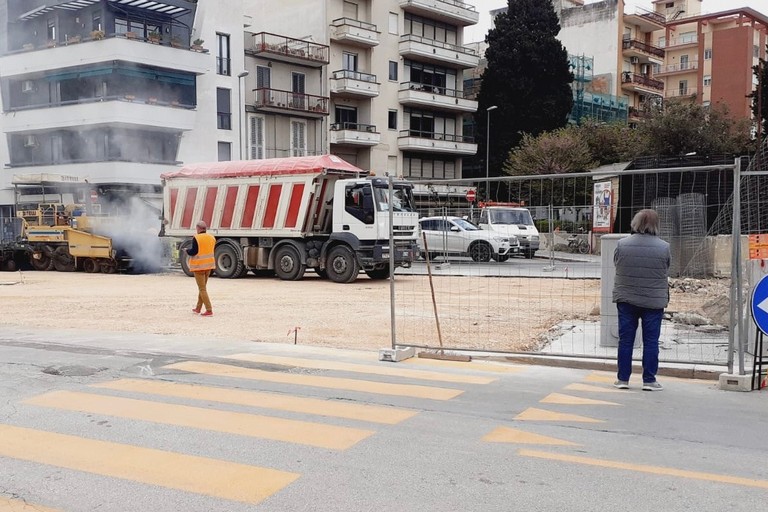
(454, 235)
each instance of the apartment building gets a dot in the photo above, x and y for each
(709, 57)
(119, 91)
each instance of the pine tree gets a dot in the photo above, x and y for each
(527, 78)
(760, 95)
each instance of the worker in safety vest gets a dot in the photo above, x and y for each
(201, 262)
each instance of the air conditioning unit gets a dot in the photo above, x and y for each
(634, 60)
(30, 141)
(27, 86)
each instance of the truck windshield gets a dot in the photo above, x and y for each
(521, 217)
(402, 199)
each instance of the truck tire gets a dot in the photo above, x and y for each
(378, 273)
(228, 263)
(62, 260)
(91, 266)
(288, 265)
(341, 265)
(43, 263)
(184, 257)
(529, 254)
(500, 258)
(480, 251)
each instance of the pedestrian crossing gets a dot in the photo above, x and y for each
(225, 398)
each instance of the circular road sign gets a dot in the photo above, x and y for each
(760, 304)
(471, 195)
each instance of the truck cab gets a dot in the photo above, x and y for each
(511, 220)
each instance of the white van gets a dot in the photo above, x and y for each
(511, 220)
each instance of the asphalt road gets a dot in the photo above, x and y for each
(113, 423)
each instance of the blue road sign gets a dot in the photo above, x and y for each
(760, 304)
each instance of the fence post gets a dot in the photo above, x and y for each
(391, 264)
(735, 338)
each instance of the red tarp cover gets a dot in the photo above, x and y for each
(267, 167)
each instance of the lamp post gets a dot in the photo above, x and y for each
(240, 109)
(487, 150)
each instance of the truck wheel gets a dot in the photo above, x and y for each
(480, 251)
(378, 273)
(500, 258)
(91, 266)
(228, 265)
(184, 257)
(529, 254)
(62, 260)
(342, 266)
(288, 266)
(43, 263)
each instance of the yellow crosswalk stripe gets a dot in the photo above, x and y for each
(388, 369)
(365, 386)
(561, 399)
(512, 435)
(7, 505)
(210, 477)
(593, 389)
(479, 366)
(252, 425)
(533, 414)
(641, 468)
(596, 377)
(332, 408)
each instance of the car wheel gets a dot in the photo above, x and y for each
(480, 251)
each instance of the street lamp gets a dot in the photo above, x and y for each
(487, 149)
(240, 109)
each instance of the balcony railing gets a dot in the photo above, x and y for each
(175, 42)
(650, 15)
(354, 75)
(433, 89)
(449, 137)
(275, 98)
(645, 81)
(439, 44)
(339, 22)
(357, 127)
(150, 100)
(641, 113)
(298, 49)
(680, 67)
(681, 92)
(679, 41)
(643, 47)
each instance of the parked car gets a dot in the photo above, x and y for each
(454, 235)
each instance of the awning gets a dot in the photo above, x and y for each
(152, 6)
(76, 5)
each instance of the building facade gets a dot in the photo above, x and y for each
(120, 91)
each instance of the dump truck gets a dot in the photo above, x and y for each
(284, 215)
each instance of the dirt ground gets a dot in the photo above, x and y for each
(474, 312)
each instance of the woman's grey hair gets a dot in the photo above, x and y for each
(645, 222)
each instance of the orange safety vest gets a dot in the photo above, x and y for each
(204, 259)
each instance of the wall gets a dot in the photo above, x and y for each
(732, 69)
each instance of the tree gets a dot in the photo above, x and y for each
(527, 77)
(683, 127)
(557, 152)
(610, 143)
(760, 95)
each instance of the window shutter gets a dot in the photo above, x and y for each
(298, 138)
(257, 138)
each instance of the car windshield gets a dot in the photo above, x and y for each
(402, 199)
(522, 217)
(466, 226)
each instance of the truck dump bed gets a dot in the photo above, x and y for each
(251, 198)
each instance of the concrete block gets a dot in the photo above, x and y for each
(732, 382)
(396, 354)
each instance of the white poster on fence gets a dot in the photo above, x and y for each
(603, 200)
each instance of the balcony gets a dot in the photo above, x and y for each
(643, 52)
(646, 21)
(448, 11)
(281, 102)
(287, 49)
(681, 92)
(641, 83)
(354, 84)
(100, 50)
(437, 52)
(639, 113)
(354, 32)
(113, 171)
(354, 134)
(415, 140)
(677, 69)
(433, 96)
(680, 42)
(124, 110)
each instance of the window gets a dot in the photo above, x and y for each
(433, 78)
(349, 10)
(121, 26)
(346, 118)
(256, 137)
(358, 202)
(222, 57)
(392, 119)
(430, 29)
(224, 109)
(393, 23)
(682, 87)
(669, 5)
(393, 70)
(707, 80)
(298, 100)
(96, 21)
(416, 166)
(688, 37)
(683, 62)
(263, 77)
(298, 138)
(52, 29)
(707, 53)
(756, 51)
(349, 61)
(662, 42)
(225, 151)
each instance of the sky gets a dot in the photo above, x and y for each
(477, 32)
